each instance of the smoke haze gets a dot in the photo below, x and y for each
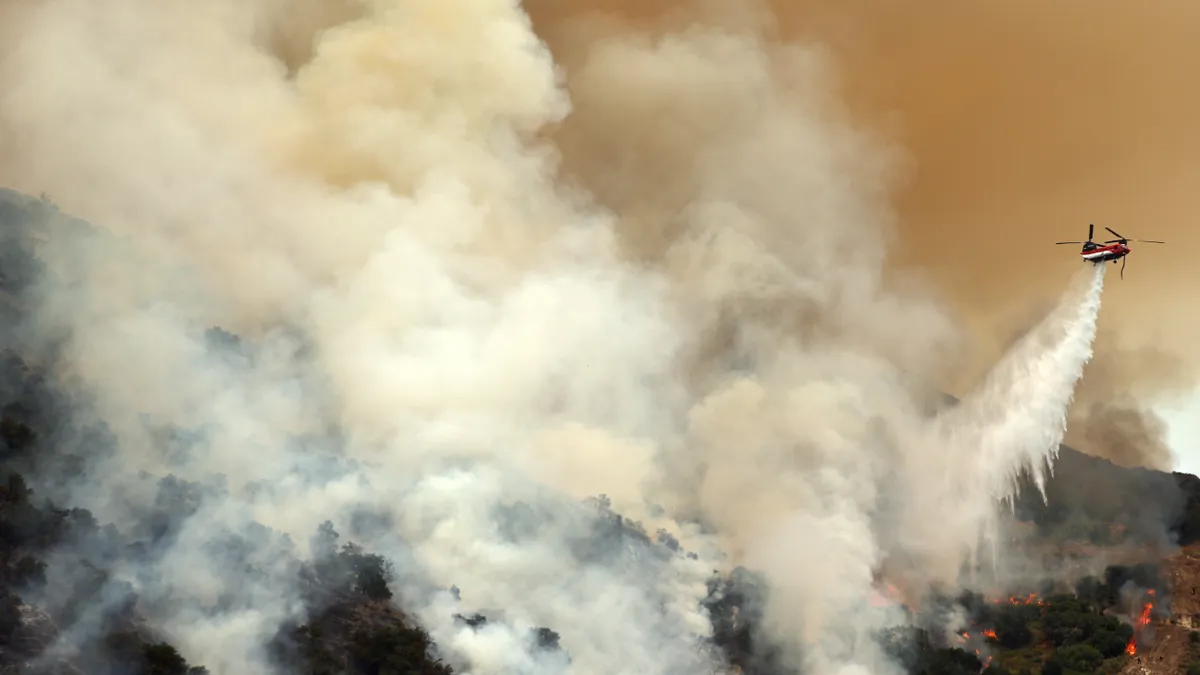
(1021, 126)
(472, 290)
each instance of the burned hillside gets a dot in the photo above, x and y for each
(82, 595)
(70, 604)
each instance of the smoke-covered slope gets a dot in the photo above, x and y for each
(347, 618)
(354, 284)
(80, 595)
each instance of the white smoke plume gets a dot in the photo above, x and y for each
(438, 331)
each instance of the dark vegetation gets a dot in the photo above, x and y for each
(1095, 501)
(63, 610)
(352, 626)
(1193, 656)
(735, 605)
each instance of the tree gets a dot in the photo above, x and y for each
(1012, 631)
(395, 649)
(948, 662)
(1080, 658)
(1110, 641)
(324, 542)
(163, 659)
(371, 572)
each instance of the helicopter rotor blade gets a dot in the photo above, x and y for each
(1091, 230)
(1148, 241)
(1070, 242)
(1114, 232)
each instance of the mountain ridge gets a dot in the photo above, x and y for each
(352, 623)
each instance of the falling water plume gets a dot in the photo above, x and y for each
(1011, 423)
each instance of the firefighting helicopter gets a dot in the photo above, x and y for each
(1114, 249)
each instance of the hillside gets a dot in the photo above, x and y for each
(1107, 537)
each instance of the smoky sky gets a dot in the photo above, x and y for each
(1021, 123)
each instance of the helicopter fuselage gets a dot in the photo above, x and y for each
(1101, 254)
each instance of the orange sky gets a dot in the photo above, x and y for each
(1025, 121)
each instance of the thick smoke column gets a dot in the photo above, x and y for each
(438, 331)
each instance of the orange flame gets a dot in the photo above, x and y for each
(1142, 622)
(1031, 599)
(986, 660)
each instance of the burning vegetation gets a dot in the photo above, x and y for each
(1143, 620)
(1094, 625)
(1098, 624)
